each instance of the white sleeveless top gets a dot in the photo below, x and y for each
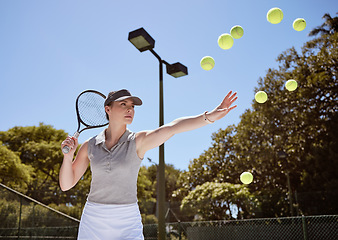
(114, 171)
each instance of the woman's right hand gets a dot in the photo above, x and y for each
(72, 143)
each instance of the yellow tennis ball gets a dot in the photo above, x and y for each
(237, 32)
(275, 15)
(299, 24)
(261, 97)
(246, 177)
(207, 63)
(225, 41)
(291, 85)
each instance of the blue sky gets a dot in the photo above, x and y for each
(50, 51)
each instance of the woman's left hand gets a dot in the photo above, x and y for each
(224, 108)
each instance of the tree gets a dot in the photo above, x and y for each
(217, 201)
(30, 160)
(298, 122)
(330, 26)
(302, 123)
(12, 171)
(147, 189)
(145, 195)
(214, 165)
(38, 148)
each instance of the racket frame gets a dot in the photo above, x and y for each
(66, 149)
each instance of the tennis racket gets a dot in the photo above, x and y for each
(90, 112)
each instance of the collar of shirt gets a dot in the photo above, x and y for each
(101, 137)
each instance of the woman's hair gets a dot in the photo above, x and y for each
(109, 104)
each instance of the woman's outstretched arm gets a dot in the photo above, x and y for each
(146, 140)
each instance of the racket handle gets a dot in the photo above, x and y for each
(76, 135)
(66, 148)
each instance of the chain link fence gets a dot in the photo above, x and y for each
(24, 218)
(291, 228)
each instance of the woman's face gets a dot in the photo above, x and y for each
(121, 111)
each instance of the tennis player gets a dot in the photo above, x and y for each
(115, 156)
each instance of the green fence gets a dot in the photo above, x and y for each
(291, 228)
(24, 218)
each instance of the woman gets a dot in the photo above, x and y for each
(115, 156)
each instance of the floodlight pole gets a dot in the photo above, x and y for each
(143, 42)
(161, 164)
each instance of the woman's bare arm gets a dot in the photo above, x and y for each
(146, 140)
(71, 171)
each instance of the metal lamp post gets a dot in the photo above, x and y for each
(283, 155)
(157, 189)
(143, 42)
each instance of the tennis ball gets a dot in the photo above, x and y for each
(299, 24)
(225, 41)
(246, 177)
(274, 15)
(207, 63)
(291, 85)
(237, 32)
(261, 97)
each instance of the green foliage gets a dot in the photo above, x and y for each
(38, 148)
(330, 26)
(8, 213)
(12, 171)
(299, 123)
(74, 211)
(30, 159)
(145, 193)
(214, 165)
(171, 176)
(302, 123)
(16, 210)
(216, 201)
(149, 219)
(147, 189)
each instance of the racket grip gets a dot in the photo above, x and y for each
(66, 149)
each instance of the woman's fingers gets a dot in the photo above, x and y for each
(229, 99)
(70, 142)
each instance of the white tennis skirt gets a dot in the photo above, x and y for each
(109, 221)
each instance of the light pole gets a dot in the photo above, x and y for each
(283, 156)
(143, 42)
(156, 185)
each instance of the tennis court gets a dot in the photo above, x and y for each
(24, 218)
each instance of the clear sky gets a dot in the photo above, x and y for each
(50, 51)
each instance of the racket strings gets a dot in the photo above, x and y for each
(91, 109)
